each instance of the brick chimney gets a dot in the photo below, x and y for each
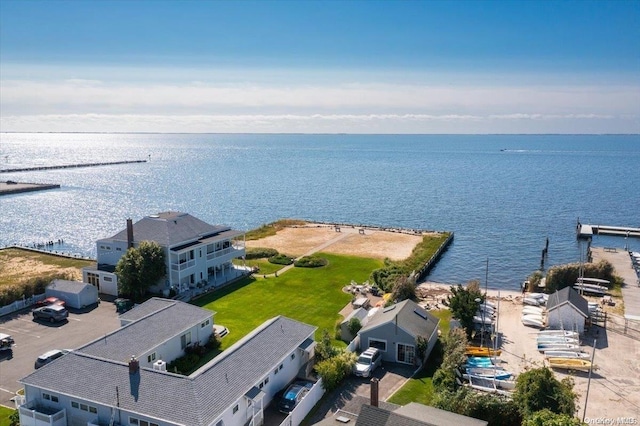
(374, 392)
(129, 234)
(134, 365)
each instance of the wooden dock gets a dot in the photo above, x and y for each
(69, 166)
(588, 231)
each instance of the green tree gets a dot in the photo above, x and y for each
(549, 418)
(454, 345)
(333, 370)
(463, 305)
(324, 348)
(354, 326)
(404, 288)
(140, 268)
(538, 389)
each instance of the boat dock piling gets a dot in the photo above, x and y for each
(69, 166)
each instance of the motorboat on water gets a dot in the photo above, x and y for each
(570, 363)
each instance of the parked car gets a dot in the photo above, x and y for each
(50, 301)
(51, 313)
(367, 362)
(292, 396)
(47, 357)
(6, 342)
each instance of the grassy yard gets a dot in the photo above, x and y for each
(420, 387)
(4, 415)
(310, 295)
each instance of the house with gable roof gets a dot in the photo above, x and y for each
(395, 331)
(567, 310)
(101, 383)
(196, 253)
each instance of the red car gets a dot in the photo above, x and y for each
(50, 301)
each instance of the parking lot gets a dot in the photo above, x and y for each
(34, 338)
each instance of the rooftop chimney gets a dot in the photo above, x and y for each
(374, 392)
(134, 365)
(129, 234)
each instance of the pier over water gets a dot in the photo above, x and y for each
(588, 231)
(69, 166)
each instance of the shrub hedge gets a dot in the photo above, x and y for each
(260, 253)
(281, 259)
(310, 262)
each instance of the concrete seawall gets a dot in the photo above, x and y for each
(10, 187)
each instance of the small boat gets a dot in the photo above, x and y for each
(482, 351)
(484, 381)
(556, 339)
(532, 310)
(587, 280)
(532, 301)
(566, 354)
(543, 347)
(480, 362)
(567, 333)
(479, 319)
(570, 363)
(489, 372)
(589, 289)
(533, 321)
(539, 296)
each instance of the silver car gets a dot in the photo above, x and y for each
(367, 362)
(51, 313)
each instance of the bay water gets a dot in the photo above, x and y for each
(502, 195)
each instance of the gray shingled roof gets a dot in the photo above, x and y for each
(374, 416)
(71, 287)
(195, 400)
(164, 319)
(417, 324)
(568, 295)
(170, 228)
(437, 416)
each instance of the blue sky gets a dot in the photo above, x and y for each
(321, 66)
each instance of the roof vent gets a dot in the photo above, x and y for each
(422, 314)
(390, 308)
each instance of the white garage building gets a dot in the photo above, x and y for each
(567, 310)
(75, 294)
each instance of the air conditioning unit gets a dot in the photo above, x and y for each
(160, 365)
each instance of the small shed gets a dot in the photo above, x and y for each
(361, 315)
(75, 294)
(567, 310)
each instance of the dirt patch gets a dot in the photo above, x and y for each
(376, 244)
(18, 266)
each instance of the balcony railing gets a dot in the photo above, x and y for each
(182, 266)
(224, 252)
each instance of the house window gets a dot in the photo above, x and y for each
(84, 407)
(378, 344)
(75, 404)
(46, 396)
(54, 398)
(118, 249)
(266, 380)
(293, 356)
(185, 340)
(152, 357)
(93, 410)
(280, 368)
(261, 385)
(220, 423)
(235, 408)
(140, 422)
(108, 279)
(204, 324)
(275, 371)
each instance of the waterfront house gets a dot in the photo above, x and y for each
(567, 310)
(122, 378)
(396, 331)
(196, 253)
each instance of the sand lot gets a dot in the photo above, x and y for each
(615, 385)
(374, 243)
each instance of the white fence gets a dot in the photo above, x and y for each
(305, 406)
(20, 304)
(354, 345)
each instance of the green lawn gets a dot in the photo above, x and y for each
(420, 387)
(310, 295)
(4, 415)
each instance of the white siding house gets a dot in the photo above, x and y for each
(100, 384)
(567, 310)
(196, 253)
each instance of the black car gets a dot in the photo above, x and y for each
(51, 313)
(292, 396)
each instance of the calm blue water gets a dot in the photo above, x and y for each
(501, 195)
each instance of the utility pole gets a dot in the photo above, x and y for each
(586, 398)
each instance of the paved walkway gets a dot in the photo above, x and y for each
(623, 267)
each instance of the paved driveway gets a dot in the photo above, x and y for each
(356, 391)
(34, 338)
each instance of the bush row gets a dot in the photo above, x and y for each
(193, 354)
(281, 259)
(260, 253)
(11, 293)
(562, 276)
(310, 262)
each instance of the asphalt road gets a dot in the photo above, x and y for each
(34, 338)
